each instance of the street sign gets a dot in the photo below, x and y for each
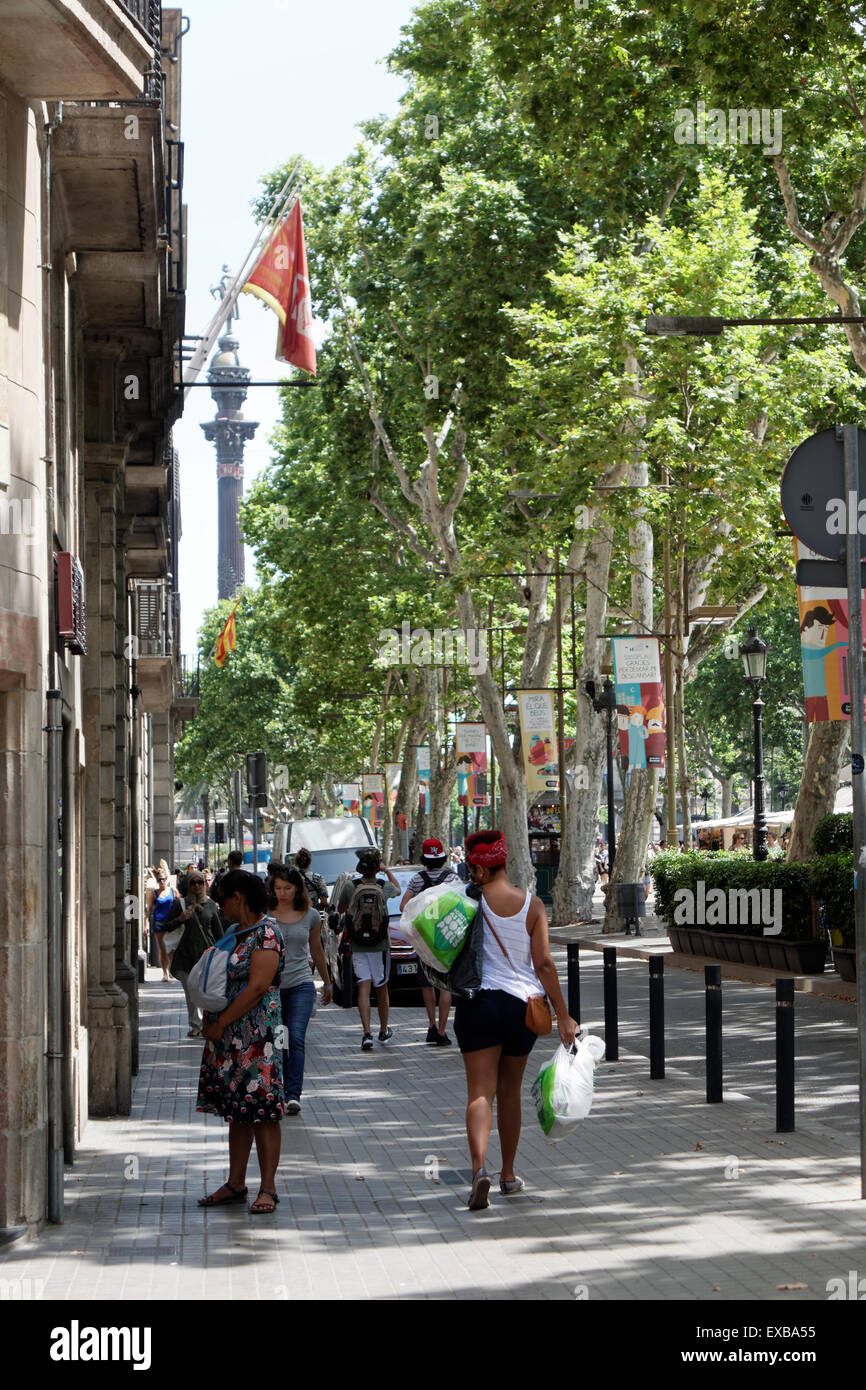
(814, 498)
(198, 829)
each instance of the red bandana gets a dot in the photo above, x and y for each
(486, 853)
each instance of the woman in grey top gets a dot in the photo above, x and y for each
(300, 925)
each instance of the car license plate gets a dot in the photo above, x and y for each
(407, 969)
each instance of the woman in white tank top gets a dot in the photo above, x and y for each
(490, 1028)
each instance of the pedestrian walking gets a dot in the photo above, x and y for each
(300, 926)
(234, 860)
(202, 928)
(491, 1027)
(161, 912)
(317, 888)
(242, 1065)
(436, 870)
(363, 901)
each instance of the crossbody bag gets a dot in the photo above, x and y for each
(538, 1019)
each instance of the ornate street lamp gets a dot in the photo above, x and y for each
(604, 702)
(754, 654)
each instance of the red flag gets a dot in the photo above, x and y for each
(280, 278)
(227, 640)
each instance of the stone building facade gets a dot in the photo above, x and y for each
(92, 265)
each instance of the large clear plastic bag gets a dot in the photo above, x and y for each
(563, 1089)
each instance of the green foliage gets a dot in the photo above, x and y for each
(833, 886)
(673, 871)
(834, 834)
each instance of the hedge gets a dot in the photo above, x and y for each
(833, 886)
(834, 834)
(723, 870)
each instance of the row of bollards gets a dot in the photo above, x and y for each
(713, 1016)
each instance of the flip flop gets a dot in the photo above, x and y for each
(256, 1209)
(238, 1195)
(480, 1189)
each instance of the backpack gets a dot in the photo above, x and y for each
(207, 982)
(367, 917)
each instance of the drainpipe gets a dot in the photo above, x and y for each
(55, 1054)
(56, 1023)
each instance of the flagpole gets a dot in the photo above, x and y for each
(263, 234)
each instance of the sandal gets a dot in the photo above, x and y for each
(256, 1208)
(238, 1195)
(480, 1188)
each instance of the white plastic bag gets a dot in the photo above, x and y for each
(436, 923)
(562, 1090)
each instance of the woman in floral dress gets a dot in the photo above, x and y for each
(242, 1066)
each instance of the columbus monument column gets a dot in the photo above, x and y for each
(230, 432)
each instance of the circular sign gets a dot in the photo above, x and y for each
(856, 763)
(814, 496)
(199, 828)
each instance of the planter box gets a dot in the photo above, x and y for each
(801, 957)
(845, 961)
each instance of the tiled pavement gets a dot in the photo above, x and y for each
(656, 1196)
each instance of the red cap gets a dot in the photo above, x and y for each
(486, 848)
(432, 849)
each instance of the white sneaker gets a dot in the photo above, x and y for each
(293, 1106)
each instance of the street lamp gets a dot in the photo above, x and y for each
(605, 701)
(754, 654)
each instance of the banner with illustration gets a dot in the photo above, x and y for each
(350, 795)
(823, 619)
(470, 746)
(373, 796)
(640, 701)
(538, 738)
(392, 778)
(422, 763)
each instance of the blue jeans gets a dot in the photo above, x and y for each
(297, 1006)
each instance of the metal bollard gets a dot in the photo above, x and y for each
(574, 980)
(784, 1056)
(657, 1017)
(611, 1023)
(713, 983)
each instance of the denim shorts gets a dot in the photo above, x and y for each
(493, 1018)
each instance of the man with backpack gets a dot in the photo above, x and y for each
(436, 870)
(363, 902)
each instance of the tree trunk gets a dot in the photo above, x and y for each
(818, 784)
(575, 881)
(727, 795)
(642, 782)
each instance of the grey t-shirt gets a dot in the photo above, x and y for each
(296, 937)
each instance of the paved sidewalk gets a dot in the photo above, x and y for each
(655, 1196)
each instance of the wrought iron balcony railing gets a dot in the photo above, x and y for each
(148, 16)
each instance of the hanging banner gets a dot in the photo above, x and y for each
(373, 797)
(422, 763)
(538, 738)
(350, 795)
(640, 701)
(823, 615)
(392, 777)
(470, 745)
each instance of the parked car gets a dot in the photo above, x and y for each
(406, 979)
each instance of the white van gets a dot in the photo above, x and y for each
(333, 843)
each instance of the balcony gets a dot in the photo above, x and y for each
(152, 646)
(187, 689)
(78, 50)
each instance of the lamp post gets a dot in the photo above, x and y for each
(605, 701)
(754, 654)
